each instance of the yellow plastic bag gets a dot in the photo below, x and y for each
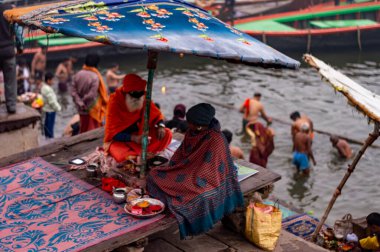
(263, 225)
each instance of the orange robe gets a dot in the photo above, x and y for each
(119, 118)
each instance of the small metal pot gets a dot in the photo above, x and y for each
(119, 195)
(91, 170)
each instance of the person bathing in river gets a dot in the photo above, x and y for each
(262, 141)
(236, 152)
(63, 74)
(299, 120)
(199, 185)
(125, 122)
(112, 78)
(252, 108)
(302, 150)
(342, 146)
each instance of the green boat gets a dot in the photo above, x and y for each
(354, 27)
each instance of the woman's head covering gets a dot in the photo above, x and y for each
(133, 82)
(201, 114)
(179, 111)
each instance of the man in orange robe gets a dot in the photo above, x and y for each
(125, 121)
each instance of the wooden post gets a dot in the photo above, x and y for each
(152, 64)
(359, 39)
(371, 138)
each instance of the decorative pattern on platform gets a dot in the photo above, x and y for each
(44, 208)
(302, 225)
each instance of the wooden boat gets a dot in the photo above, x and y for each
(354, 26)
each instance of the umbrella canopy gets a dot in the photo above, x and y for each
(161, 25)
(362, 99)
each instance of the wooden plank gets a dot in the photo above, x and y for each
(264, 178)
(232, 239)
(133, 236)
(159, 245)
(197, 243)
(56, 146)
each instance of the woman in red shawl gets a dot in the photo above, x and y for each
(262, 143)
(199, 185)
(124, 122)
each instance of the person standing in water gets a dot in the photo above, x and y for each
(302, 150)
(63, 73)
(113, 79)
(252, 108)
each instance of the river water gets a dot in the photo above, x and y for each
(189, 78)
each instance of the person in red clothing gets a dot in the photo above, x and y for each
(125, 121)
(262, 143)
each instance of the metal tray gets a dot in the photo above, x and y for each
(145, 216)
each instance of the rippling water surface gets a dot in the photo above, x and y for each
(187, 79)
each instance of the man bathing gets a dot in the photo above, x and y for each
(302, 150)
(253, 109)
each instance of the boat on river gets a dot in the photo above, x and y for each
(354, 27)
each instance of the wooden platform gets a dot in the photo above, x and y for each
(165, 236)
(220, 239)
(18, 130)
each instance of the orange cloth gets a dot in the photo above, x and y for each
(119, 119)
(133, 82)
(98, 110)
(15, 14)
(120, 151)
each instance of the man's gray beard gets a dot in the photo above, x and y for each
(134, 104)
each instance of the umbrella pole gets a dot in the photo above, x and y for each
(371, 138)
(152, 63)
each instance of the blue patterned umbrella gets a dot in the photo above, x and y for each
(153, 25)
(171, 26)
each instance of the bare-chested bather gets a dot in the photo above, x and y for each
(253, 109)
(302, 150)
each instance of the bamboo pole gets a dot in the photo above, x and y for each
(371, 138)
(152, 64)
(227, 106)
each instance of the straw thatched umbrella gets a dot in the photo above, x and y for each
(363, 100)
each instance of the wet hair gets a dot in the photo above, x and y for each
(228, 135)
(92, 60)
(295, 115)
(257, 94)
(373, 219)
(48, 76)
